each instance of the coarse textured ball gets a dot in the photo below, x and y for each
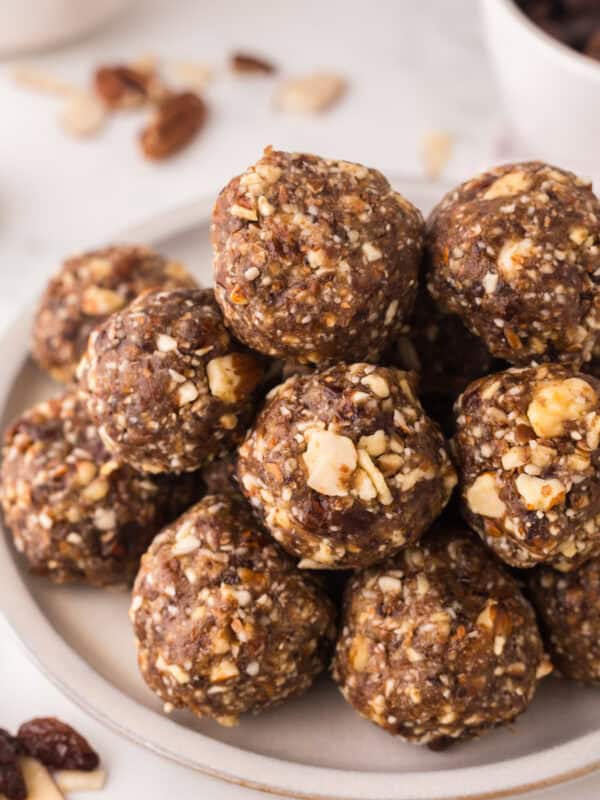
(446, 356)
(167, 385)
(316, 260)
(568, 606)
(515, 253)
(527, 455)
(75, 513)
(438, 643)
(225, 624)
(88, 288)
(344, 467)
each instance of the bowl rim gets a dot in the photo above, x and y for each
(567, 55)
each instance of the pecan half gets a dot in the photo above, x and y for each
(121, 86)
(177, 120)
(247, 63)
(56, 744)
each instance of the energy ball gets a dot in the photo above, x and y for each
(514, 252)
(316, 260)
(167, 385)
(224, 622)
(344, 467)
(568, 607)
(527, 454)
(438, 643)
(88, 288)
(75, 513)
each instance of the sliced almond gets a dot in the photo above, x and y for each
(383, 492)
(38, 781)
(76, 780)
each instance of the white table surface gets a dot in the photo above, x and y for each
(413, 66)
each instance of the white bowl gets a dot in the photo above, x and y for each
(35, 24)
(312, 747)
(551, 92)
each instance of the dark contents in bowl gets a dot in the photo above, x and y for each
(576, 23)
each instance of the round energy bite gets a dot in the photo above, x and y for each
(89, 287)
(224, 622)
(527, 454)
(438, 643)
(75, 513)
(316, 260)
(344, 467)
(167, 385)
(514, 252)
(568, 607)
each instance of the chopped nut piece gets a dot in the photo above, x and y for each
(555, 403)
(330, 460)
(248, 64)
(539, 493)
(82, 115)
(234, 377)
(193, 75)
(122, 86)
(97, 301)
(511, 183)
(31, 77)
(310, 94)
(176, 122)
(436, 151)
(483, 498)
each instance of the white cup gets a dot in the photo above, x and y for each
(551, 92)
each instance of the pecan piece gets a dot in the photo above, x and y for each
(56, 744)
(121, 86)
(249, 64)
(178, 119)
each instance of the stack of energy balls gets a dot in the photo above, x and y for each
(284, 414)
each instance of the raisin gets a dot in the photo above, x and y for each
(12, 785)
(56, 744)
(9, 747)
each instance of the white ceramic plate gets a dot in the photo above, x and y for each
(315, 746)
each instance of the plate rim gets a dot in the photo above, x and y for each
(69, 672)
